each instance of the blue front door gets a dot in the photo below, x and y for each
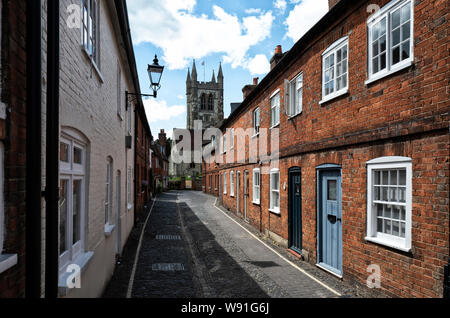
(330, 220)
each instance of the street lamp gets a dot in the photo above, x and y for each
(155, 72)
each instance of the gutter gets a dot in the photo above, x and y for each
(33, 184)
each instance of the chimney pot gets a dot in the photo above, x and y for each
(255, 80)
(278, 50)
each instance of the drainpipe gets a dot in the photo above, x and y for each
(33, 220)
(135, 162)
(52, 156)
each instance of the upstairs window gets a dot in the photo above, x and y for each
(90, 28)
(275, 109)
(390, 34)
(224, 143)
(119, 91)
(295, 96)
(256, 121)
(389, 199)
(335, 70)
(232, 138)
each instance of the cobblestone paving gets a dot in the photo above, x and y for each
(191, 250)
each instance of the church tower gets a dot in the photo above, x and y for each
(204, 100)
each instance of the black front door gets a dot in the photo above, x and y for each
(295, 210)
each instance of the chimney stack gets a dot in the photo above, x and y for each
(332, 3)
(162, 137)
(249, 88)
(276, 57)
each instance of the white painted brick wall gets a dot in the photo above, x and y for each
(90, 105)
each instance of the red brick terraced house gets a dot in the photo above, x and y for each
(361, 104)
(12, 148)
(143, 186)
(160, 163)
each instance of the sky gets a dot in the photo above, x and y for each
(240, 34)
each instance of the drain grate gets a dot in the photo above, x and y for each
(168, 267)
(168, 237)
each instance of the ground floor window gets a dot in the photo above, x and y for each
(232, 183)
(72, 210)
(256, 186)
(225, 183)
(275, 190)
(389, 199)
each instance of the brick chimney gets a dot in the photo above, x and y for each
(162, 137)
(276, 57)
(249, 88)
(332, 3)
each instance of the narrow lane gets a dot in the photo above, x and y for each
(192, 249)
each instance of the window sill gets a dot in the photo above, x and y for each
(275, 126)
(255, 136)
(232, 195)
(275, 211)
(97, 70)
(256, 202)
(387, 243)
(7, 261)
(377, 77)
(82, 261)
(120, 116)
(333, 96)
(294, 116)
(109, 229)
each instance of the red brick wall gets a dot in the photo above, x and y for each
(404, 114)
(142, 169)
(13, 135)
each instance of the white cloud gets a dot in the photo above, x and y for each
(259, 65)
(181, 97)
(172, 26)
(304, 16)
(253, 10)
(280, 5)
(158, 110)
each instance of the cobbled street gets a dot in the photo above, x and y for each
(193, 249)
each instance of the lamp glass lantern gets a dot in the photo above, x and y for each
(155, 72)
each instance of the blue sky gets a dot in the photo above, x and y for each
(242, 35)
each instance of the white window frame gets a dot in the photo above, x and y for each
(86, 26)
(295, 104)
(109, 196)
(225, 183)
(386, 13)
(119, 91)
(332, 50)
(129, 188)
(256, 121)
(275, 109)
(71, 171)
(272, 207)
(224, 143)
(386, 163)
(232, 183)
(231, 138)
(256, 186)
